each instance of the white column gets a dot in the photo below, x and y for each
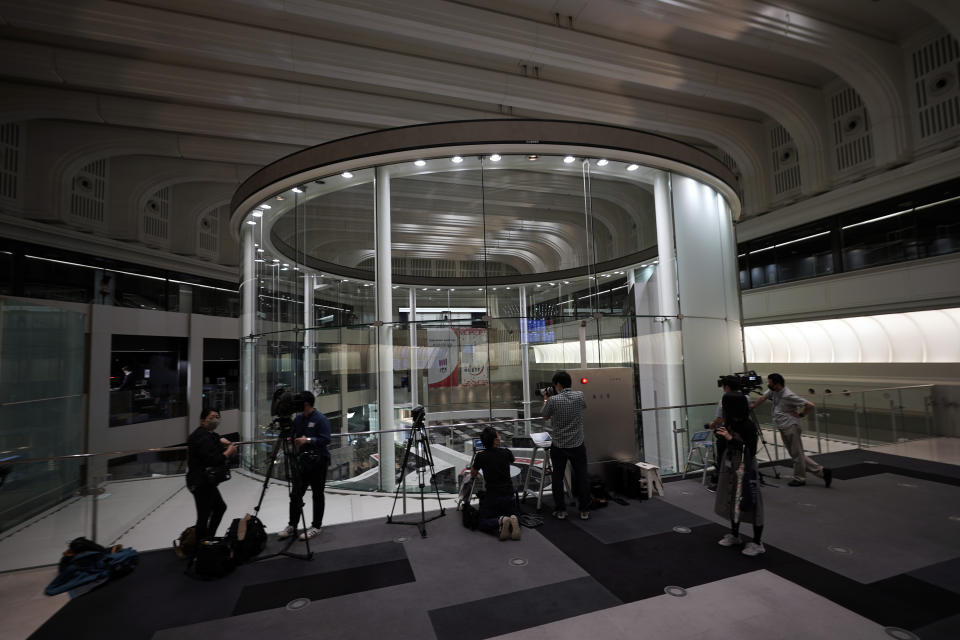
(309, 339)
(525, 360)
(384, 284)
(665, 386)
(248, 295)
(414, 351)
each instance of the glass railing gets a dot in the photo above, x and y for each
(139, 498)
(861, 419)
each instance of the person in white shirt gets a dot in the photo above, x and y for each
(788, 409)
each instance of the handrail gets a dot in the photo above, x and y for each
(10, 404)
(81, 456)
(677, 406)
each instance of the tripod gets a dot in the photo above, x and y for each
(285, 445)
(424, 460)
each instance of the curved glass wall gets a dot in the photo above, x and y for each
(461, 277)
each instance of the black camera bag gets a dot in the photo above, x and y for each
(471, 516)
(247, 538)
(216, 475)
(214, 558)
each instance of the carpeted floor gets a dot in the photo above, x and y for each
(879, 550)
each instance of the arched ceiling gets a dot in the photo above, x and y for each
(245, 82)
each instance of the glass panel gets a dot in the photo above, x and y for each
(57, 280)
(871, 239)
(149, 379)
(939, 227)
(221, 373)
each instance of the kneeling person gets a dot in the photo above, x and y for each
(498, 513)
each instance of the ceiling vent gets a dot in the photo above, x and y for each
(88, 194)
(786, 168)
(935, 69)
(155, 219)
(851, 139)
(208, 234)
(11, 159)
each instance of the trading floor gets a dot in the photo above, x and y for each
(875, 556)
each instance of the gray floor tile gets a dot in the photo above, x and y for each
(639, 519)
(878, 518)
(752, 605)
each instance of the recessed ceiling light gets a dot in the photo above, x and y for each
(286, 264)
(566, 282)
(251, 222)
(424, 289)
(602, 162)
(533, 157)
(396, 286)
(259, 250)
(346, 174)
(456, 159)
(538, 286)
(259, 260)
(280, 198)
(495, 157)
(276, 260)
(551, 284)
(258, 214)
(568, 159)
(420, 163)
(633, 167)
(297, 190)
(479, 288)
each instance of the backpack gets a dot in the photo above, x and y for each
(214, 558)
(598, 493)
(247, 537)
(87, 563)
(471, 516)
(186, 545)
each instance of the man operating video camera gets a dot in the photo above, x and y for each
(311, 435)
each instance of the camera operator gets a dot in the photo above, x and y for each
(788, 409)
(730, 384)
(738, 490)
(207, 454)
(565, 410)
(311, 435)
(498, 513)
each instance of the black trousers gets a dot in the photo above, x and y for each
(316, 480)
(580, 484)
(210, 510)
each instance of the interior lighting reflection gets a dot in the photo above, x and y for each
(456, 159)
(602, 162)
(259, 250)
(420, 163)
(495, 157)
(568, 159)
(297, 190)
(633, 167)
(264, 206)
(259, 260)
(276, 259)
(346, 174)
(251, 222)
(258, 214)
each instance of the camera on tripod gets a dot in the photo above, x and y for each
(284, 405)
(744, 381)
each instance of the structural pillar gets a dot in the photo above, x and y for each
(384, 322)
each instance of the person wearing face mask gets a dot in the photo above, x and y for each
(788, 409)
(206, 450)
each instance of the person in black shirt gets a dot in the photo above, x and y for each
(738, 490)
(207, 449)
(311, 435)
(498, 513)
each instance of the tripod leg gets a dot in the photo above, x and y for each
(400, 483)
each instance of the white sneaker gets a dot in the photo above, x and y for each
(286, 533)
(505, 526)
(753, 549)
(730, 540)
(515, 527)
(312, 532)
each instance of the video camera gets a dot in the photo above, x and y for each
(745, 381)
(286, 403)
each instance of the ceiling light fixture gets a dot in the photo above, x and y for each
(346, 174)
(633, 167)
(420, 163)
(602, 162)
(533, 157)
(568, 159)
(297, 190)
(456, 159)
(258, 214)
(495, 157)
(251, 222)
